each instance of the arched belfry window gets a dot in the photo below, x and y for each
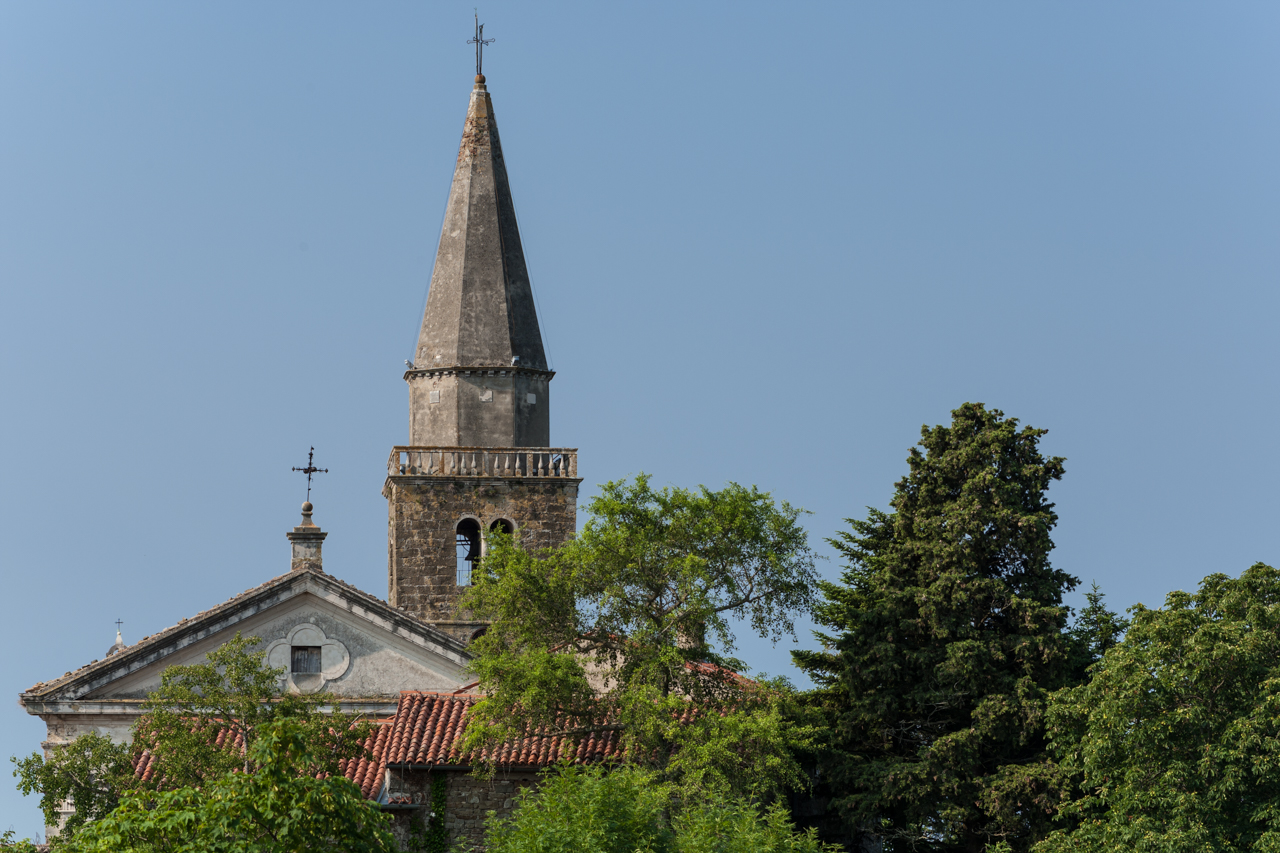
(468, 540)
(502, 526)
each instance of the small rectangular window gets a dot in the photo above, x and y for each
(305, 659)
(533, 398)
(435, 396)
(486, 396)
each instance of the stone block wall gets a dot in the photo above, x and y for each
(468, 799)
(423, 516)
(479, 408)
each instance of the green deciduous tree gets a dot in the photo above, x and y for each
(272, 809)
(16, 845)
(91, 772)
(627, 630)
(942, 643)
(629, 810)
(200, 724)
(235, 692)
(1174, 742)
(585, 810)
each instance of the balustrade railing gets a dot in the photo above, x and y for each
(483, 462)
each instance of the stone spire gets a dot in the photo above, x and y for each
(480, 374)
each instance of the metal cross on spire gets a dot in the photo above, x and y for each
(479, 41)
(119, 622)
(311, 469)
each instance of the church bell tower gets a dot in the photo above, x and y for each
(479, 420)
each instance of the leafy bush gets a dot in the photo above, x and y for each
(626, 810)
(272, 809)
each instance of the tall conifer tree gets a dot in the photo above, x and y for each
(943, 640)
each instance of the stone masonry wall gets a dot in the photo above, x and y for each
(468, 801)
(423, 516)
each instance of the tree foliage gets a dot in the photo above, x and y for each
(1175, 740)
(628, 630)
(200, 724)
(942, 642)
(272, 809)
(1096, 628)
(91, 772)
(198, 709)
(9, 842)
(629, 810)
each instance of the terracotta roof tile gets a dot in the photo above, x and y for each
(427, 729)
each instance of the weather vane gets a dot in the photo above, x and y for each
(479, 41)
(311, 469)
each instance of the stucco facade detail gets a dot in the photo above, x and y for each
(335, 660)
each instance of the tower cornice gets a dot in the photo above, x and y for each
(477, 370)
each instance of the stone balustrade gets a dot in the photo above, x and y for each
(550, 462)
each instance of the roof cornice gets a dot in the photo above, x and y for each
(133, 707)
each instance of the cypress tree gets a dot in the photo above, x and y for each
(941, 644)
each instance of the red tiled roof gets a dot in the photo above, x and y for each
(427, 729)
(145, 764)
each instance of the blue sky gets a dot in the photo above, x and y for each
(768, 242)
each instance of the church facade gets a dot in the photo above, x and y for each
(478, 460)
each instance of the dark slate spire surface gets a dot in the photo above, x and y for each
(480, 310)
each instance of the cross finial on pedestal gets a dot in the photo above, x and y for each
(311, 469)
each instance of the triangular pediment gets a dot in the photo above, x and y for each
(366, 650)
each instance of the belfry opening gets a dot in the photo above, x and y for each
(467, 543)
